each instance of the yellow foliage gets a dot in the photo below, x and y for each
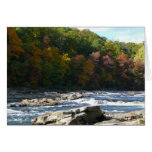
(88, 71)
(65, 57)
(51, 54)
(64, 62)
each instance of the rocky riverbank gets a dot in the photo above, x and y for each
(81, 116)
(130, 119)
(89, 116)
(75, 108)
(35, 102)
(29, 94)
(38, 98)
(25, 93)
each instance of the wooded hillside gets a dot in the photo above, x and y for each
(62, 58)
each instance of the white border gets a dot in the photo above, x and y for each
(74, 13)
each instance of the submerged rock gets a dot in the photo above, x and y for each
(130, 118)
(81, 116)
(35, 102)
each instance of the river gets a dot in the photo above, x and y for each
(109, 101)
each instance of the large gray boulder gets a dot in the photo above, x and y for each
(81, 116)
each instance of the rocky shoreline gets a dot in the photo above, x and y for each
(80, 116)
(14, 94)
(131, 119)
(25, 93)
(89, 116)
(29, 98)
(35, 102)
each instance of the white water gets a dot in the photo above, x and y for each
(110, 102)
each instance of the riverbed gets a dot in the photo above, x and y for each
(109, 101)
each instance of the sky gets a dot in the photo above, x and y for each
(122, 34)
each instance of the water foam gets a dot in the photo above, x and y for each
(110, 102)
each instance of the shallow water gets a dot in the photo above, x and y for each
(109, 101)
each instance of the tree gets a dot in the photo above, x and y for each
(138, 71)
(124, 70)
(69, 58)
(112, 47)
(87, 73)
(14, 52)
(140, 55)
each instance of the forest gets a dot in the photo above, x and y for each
(63, 58)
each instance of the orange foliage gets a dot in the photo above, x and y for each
(14, 45)
(13, 37)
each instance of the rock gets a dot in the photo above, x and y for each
(35, 102)
(127, 116)
(131, 118)
(81, 116)
(73, 96)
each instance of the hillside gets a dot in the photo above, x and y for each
(67, 58)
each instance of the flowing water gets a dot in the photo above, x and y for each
(109, 101)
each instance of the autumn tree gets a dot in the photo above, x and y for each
(140, 55)
(112, 47)
(107, 70)
(139, 75)
(14, 52)
(69, 58)
(87, 73)
(124, 70)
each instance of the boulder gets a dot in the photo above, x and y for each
(130, 118)
(81, 116)
(36, 102)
